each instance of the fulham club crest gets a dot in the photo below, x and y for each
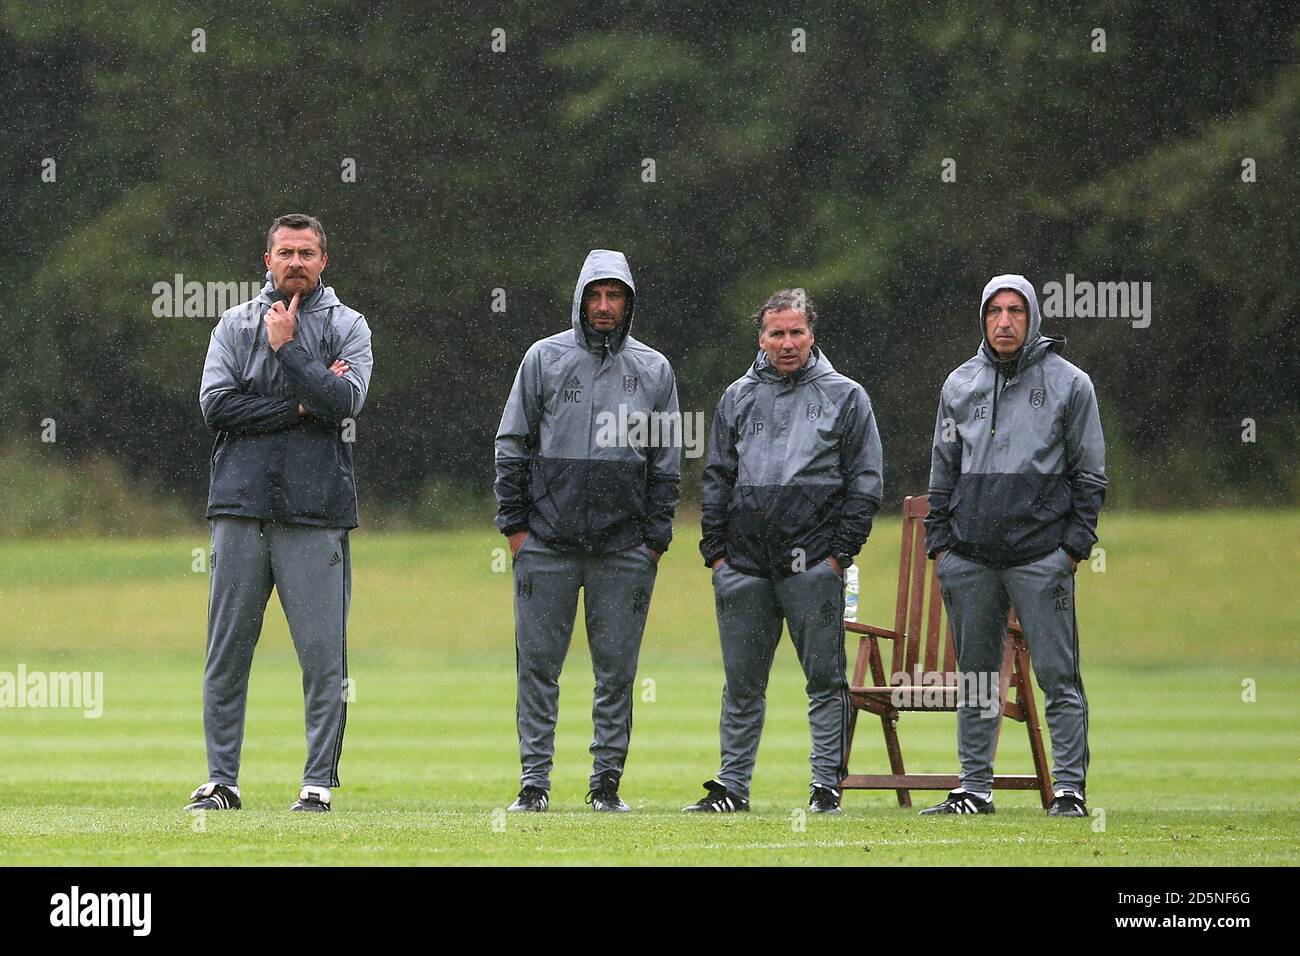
(814, 411)
(629, 384)
(1037, 396)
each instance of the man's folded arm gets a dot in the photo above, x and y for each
(226, 406)
(327, 396)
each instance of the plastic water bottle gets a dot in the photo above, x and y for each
(851, 593)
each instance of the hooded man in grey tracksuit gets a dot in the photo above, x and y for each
(586, 505)
(1017, 479)
(792, 481)
(286, 375)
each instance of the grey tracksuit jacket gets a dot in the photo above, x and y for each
(1018, 462)
(553, 476)
(269, 462)
(794, 462)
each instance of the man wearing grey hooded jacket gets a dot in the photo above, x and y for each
(793, 478)
(586, 506)
(1017, 479)
(285, 376)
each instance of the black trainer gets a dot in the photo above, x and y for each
(312, 800)
(213, 796)
(604, 796)
(823, 799)
(1067, 805)
(718, 800)
(530, 800)
(959, 801)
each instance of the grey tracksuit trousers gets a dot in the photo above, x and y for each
(311, 571)
(616, 596)
(978, 599)
(751, 611)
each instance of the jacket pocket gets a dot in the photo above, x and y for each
(316, 483)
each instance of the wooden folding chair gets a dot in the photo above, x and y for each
(916, 653)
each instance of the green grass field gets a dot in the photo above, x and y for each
(1187, 772)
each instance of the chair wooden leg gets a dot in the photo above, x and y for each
(859, 676)
(889, 725)
(853, 725)
(1009, 660)
(1029, 707)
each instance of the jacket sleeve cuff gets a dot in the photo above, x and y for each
(1072, 549)
(511, 519)
(938, 538)
(849, 544)
(711, 553)
(293, 355)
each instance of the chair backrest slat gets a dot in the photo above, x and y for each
(916, 598)
(920, 601)
(896, 661)
(934, 616)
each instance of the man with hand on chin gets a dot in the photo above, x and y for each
(792, 481)
(285, 377)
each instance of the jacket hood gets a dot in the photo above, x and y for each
(817, 365)
(1036, 344)
(603, 264)
(321, 297)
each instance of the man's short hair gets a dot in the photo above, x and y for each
(796, 299)
(295, 220)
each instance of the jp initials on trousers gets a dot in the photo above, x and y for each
(311, 571)
(751, 612)
(616, 597)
